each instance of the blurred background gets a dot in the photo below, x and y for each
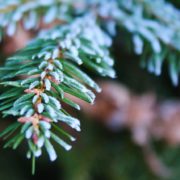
(132, 132)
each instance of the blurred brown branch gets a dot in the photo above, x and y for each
(143, 115)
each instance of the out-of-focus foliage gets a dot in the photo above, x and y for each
(155, 33)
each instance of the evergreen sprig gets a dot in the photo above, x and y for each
(40, 76)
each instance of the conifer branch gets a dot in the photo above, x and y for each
(31, 13)
(39, 76)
